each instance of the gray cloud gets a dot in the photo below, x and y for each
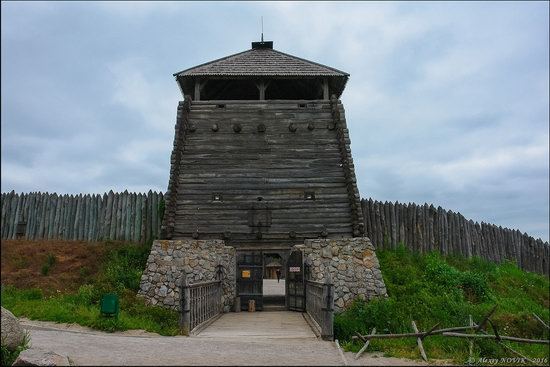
(447, 102)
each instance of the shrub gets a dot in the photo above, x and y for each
(21, 262)
(475, 286)
(108, 324)
(50, 259)
(362, 317)
(45, 270)
(31, 294)
(124, 268)
(84, 272)
(86, 294)
(439, 272)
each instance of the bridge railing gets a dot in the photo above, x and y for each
(199, 303)
(320, 306)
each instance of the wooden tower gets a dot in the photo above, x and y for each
(261, 155)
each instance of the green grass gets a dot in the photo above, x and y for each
(9, 356)
(430, 289)
(120, 274)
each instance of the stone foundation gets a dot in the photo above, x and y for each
(160, 282)
(352, 264)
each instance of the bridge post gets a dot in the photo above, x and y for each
(185, 316)
(327, 332)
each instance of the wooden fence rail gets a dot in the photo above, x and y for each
(320, 306)
(424, 228)
(452, 332)
(123, 216)
(199, 304)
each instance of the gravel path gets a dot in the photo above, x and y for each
(84, 346)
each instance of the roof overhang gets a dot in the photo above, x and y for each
(262, 62)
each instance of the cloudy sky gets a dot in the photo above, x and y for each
(447, 102)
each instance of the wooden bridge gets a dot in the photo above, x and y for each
(201, 314)
(267, 324)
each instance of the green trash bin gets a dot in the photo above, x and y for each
(109, 305)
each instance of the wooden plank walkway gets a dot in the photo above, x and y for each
(277, 324)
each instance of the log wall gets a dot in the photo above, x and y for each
(275, 151)
(424, 228)
(113, 216)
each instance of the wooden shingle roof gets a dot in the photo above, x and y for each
(262, 62)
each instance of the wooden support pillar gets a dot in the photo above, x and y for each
(197, 90)
(327, 322)
(262, 86)
(262, 90)
(185, 305)
(326, 96)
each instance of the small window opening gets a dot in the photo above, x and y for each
(260, 198)
(217, 196)
(309, 195)
(220, 106)
(302, 105)
(21, 229)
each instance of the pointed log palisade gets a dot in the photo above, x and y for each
(81, 217)
(34, 209)
(424, 228)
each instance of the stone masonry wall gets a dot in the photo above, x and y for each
(352, 264)
(161, 279)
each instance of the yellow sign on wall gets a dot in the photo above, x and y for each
(246, 273)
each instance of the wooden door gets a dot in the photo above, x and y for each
(295, 287)
(250, 278)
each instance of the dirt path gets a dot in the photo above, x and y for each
(86, 347)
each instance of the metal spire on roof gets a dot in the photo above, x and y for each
(262, 44)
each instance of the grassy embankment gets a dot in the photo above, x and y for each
(117, 268)
(430, 289)
(427, 289)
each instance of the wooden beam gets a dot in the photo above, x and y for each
(542, 322)
(430, 331)
(471, 349)
(484, 321)
(261, 88)
(419, 343)
(197, 90)
(262, 85)
(507, 347)
(367, 342)
(419, 334)
(501, 337)
(326, 96)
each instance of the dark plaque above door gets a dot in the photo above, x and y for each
(259, 215)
